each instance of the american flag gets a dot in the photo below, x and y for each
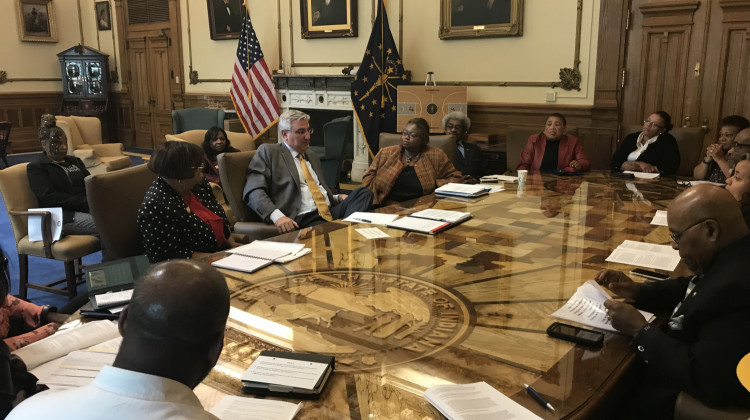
(253, 93)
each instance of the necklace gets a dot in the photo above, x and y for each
(409, 159)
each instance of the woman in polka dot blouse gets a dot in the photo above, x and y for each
(179, 216)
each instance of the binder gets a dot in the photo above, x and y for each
(264, 388)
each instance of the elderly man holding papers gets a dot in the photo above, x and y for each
(708, 331)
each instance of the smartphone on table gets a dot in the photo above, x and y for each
(576, 334)
(651, 275)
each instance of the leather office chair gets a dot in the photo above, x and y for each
(516, 138)
(18, 197)
(336, 134)
(689, 142)
(241, 141)
(233, 172)
(196, 119)
(114, 199)
(688, 408)
(446, 142)
(4, 140)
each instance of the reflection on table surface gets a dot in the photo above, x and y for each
(470, 304)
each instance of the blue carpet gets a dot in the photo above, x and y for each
(41, 270)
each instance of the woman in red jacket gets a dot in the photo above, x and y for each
(564, 152)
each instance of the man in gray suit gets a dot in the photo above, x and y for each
(277, 186)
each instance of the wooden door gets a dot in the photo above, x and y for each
(150, 77)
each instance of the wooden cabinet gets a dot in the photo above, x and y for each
(85, 81)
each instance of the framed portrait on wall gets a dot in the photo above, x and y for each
(103, 18)
(328, 18)
(480, 18)
(225, 18)
(36, 20)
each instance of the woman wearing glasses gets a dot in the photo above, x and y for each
(715, 165)
(411, 169)
(652, 149)
(179, 216)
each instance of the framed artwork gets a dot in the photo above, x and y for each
(225, 18)
(103, 18)
(328, 18)
(480, 18)
(36, 20)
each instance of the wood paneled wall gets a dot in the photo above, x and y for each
(24, 111)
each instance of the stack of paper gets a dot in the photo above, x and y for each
(475, 401)
(232, 407)
(642, 254)
(462, 190)
(498, 178)
(258, 254)
(586, 306)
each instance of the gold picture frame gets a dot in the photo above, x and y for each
(36, 21)
(480, 18)
(332, 19)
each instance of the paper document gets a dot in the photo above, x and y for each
(267, 250)
(372, 233)
(373, 218)
(643, 175)
(285, 372)
(233, 407)
(113, 298)
(442, 215)
(660, 218)
(496, 178)
(62, 343)
(35, 224)
(419, 225)
(477, 401)
(642, 254)
(586, 306)
(692, 183)
(463, 190)
(240, 262)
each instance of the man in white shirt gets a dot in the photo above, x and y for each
(173, 333)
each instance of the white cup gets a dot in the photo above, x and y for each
(522, 176)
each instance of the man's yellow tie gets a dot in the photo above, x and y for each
(317, 194)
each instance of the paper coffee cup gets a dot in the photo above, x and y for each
(522, 176)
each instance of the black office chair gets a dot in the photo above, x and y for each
(337, 133)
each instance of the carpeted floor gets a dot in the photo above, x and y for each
(42, 270)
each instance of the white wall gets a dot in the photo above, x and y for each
(547, 44)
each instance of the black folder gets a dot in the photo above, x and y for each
(261, 388)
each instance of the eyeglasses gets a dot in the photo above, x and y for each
(302, 131)
(458, 127)
(652, 124)
(677, 235)
(413, 135)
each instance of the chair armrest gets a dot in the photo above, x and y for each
(108, 149)
(241, 238)
(46, 227)
(689, 408)
(255, 230)
(87, 156)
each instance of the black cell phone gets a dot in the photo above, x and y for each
(653, 275)
(576, 334)
(622, 175)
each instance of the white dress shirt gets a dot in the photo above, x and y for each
(116, 394)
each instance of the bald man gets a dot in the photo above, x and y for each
(708, 330)
(172, 334)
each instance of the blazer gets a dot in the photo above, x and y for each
(702, 357)
(169, 229)
(662, 153)
(471, 164)
(432, 168)
(53, 188)
(273, 181)
(569, 149)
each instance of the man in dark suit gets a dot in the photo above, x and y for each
(227, 16)
(469, 157)
(708, 331)
(329, 12)
(285, 184)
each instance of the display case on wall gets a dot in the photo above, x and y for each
(85, 81)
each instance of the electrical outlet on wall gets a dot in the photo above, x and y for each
(551, 96)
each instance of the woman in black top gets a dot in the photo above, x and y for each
(652, 149)
(214, 143)
(57, 180)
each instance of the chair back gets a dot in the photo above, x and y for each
(196, 119)
(336, 134)
(516, 138)
(5, 127)
(114, 199)
(446, 142)
(17, 195)
(233, 173)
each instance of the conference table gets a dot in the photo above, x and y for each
(470, 304)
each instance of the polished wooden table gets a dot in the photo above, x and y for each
(470, 304)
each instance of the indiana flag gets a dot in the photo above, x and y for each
(252, 92)
(374, 87)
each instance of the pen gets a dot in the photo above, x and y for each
(363, 220)
(538, 397)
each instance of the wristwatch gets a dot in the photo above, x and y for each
(707, 162)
